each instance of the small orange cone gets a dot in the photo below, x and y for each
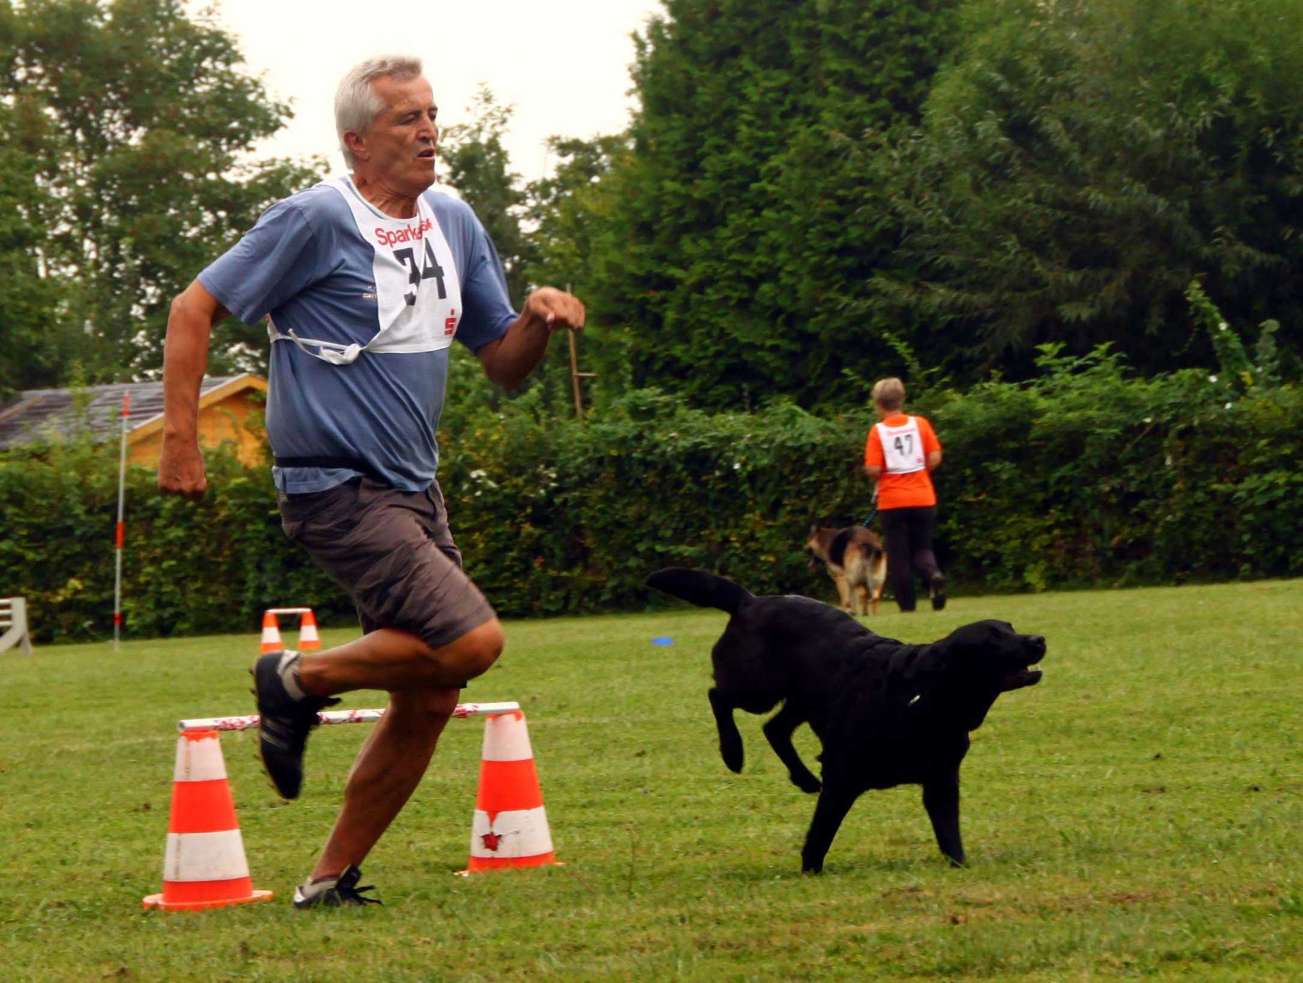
(203, 863)
(271, 633)
(509, 828)
(308, 637)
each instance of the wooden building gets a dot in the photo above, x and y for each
(230, 410)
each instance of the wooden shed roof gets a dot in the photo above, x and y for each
(40, 415)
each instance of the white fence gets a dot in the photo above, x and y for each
(13, 624)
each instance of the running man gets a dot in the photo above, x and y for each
(368, 279)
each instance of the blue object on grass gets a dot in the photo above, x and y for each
(662, 640)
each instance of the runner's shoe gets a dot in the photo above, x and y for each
(287, 716)
(938, 592)
(334, 892)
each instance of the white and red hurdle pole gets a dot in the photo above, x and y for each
(340, 717)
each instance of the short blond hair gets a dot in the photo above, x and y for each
(889, 393)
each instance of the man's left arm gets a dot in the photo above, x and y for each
(931, 445)
(509, 360)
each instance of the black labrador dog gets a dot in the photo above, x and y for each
(886, 713)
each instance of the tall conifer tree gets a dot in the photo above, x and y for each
(747, 225)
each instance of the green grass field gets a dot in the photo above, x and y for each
(1137, 814)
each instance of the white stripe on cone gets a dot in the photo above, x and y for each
(199, 760)
(506, 738)
(204, 856)
(516, 833)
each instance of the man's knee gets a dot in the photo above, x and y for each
(480, 647)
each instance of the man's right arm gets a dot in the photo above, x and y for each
(185, 357)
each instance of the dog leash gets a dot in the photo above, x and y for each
(873, 513)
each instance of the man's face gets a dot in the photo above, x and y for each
(398, 149)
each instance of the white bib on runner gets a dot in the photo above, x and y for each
(902, 447)
(418, 294)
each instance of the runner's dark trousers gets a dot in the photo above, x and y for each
(908, 533)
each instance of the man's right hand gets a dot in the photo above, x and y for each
(181, 468)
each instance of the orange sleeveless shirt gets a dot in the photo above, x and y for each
(902, 491)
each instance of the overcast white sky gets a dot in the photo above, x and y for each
(562, 64)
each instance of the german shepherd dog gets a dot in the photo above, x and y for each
(887, 713)
(856, 561)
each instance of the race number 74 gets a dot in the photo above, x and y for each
(429, 269)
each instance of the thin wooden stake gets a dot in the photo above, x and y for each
(574, 376)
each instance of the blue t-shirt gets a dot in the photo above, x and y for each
(307, 264)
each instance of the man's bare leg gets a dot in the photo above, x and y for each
(395, 660)
(387, 770)
(423, 685)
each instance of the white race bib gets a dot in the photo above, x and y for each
(418, 294)
(902, 447)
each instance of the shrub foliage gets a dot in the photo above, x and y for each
(1085, 476)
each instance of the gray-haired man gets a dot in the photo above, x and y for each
(367, 279)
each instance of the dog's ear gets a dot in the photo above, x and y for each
(964, 672)
(924, 667)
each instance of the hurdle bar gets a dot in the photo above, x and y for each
(339, 717)
(280, 611)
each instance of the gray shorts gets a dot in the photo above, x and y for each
(393, 552)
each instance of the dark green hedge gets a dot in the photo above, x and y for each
(1085, 477)
(188, 567)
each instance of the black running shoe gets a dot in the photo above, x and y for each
(938, 592)
(287, 716)
(334, 892)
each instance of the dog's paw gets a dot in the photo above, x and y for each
(731, 752)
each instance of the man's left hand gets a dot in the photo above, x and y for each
(555, 309)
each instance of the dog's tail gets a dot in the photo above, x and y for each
(703, 589)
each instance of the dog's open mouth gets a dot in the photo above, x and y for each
(1022, 677)
(1030, 673)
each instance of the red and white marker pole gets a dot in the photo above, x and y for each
(120, 532)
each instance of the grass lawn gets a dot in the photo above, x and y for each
(1138, 813)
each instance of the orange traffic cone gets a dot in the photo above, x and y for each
(271, 633)
(509, 828)
(203, 864)
(308, 637)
